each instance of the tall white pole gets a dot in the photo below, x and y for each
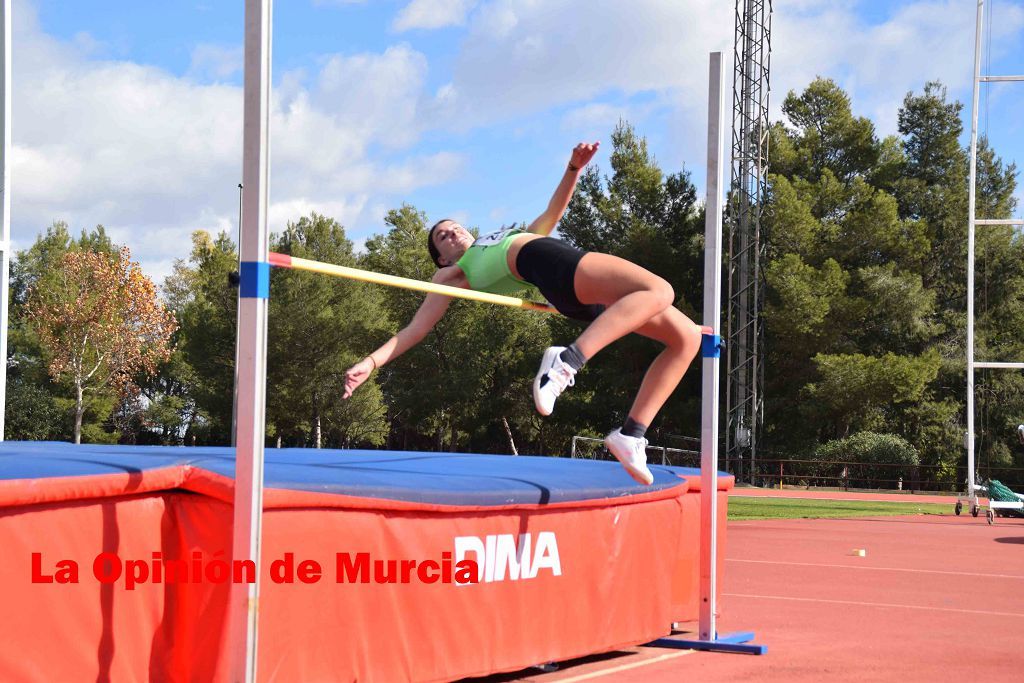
(234, 396)
(972, 496)
(5, 204)
(252, 336)
(710, 372)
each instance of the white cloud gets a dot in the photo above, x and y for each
(432, 14)
(376, 96)
(520, 56)
(879, 64)
(216, 62)
(523, 55)
(153, 156)
(596, 118)
(344, 211)
(596, 59)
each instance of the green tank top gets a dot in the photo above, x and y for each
(485, 264)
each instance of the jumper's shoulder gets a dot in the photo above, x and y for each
(451, 276)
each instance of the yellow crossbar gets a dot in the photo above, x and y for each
(285, 261)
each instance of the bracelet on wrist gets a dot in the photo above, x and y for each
(573, 168)
(370, 358)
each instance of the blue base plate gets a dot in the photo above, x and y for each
(733, 642)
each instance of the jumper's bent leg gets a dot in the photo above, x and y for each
(632, 297)
(682, 338)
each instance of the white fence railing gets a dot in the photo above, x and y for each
(589, 448)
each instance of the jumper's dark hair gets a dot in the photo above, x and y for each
(435, 255)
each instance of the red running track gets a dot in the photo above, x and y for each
(935, 598)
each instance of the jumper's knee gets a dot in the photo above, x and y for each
(663, 293)
(682, 335)
(686, 337)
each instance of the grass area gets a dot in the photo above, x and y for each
(790, 508)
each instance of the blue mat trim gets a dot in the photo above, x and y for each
(433, 478)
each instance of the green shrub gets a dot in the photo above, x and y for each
(869, 460)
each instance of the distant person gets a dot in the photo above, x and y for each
(614, 296)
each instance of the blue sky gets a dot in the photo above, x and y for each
(129, 114)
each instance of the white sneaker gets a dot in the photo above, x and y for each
(551, 380)
(631, 451)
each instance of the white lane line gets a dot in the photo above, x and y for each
(877, 604)
(881, 569)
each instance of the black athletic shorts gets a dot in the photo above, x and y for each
(550, 265)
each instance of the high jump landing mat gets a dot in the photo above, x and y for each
(115, 562)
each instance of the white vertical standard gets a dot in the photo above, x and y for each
(712, 319)
(972, 495)
(5, 203)
(711, 350)
(252, 337)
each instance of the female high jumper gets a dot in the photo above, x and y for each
(614, 296)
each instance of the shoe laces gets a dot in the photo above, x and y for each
(561, 375)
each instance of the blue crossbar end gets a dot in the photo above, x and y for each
(255, 280)
(733, 642)
(711, 346)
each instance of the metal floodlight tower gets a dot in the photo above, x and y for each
(748, 195)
